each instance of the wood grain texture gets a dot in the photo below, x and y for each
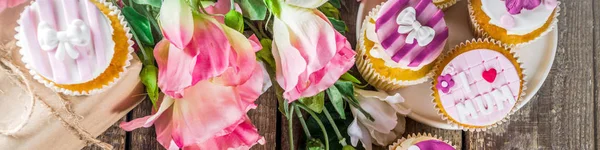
(142, 138)
(264, 118)
(596, 39)
(561, 116)
(114, 136)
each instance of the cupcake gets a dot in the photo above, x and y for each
(477, 85)
(444, 4)
(76, 47)
(399, 41)
(421, 142)
(513, 22)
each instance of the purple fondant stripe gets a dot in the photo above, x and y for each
(437, 41)
(437, 17)
(421, 6)
(394, 9)
(403, 51)
(390, 40)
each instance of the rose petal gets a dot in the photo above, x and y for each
(177, 22)
(306, 3)
(175, 68)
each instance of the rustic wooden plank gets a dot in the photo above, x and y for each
(561, 116)
(142, 138)
(264, 118)
(596, 18)
(114, 136)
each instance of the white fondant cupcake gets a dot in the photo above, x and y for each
(513, 22)
(478, 84)
(77, 47)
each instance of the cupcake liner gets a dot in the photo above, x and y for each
(479, 32)
(365, 66)
(114, 11)
(460, 49)
(418, 135)
(445, 4)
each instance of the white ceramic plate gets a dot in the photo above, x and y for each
(537, 59)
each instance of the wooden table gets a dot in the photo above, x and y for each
(563, 115)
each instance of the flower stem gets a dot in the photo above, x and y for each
(291, 129)
(254, 29)
(318, 122)
(232, 5)
(303, 122)
(341, 139)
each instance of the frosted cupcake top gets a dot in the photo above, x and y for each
(424, 143)
(66, 41)
(413, 33)
(518, 17)
(478, 87)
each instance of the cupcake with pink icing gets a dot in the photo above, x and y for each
(76, 47)
(513, 22)
(399, 42)
(478, 84)
(422, 142)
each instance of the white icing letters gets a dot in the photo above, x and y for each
(464, 82)
(466, 109)
(482, 109)
(495, 98)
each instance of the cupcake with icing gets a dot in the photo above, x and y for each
(421, 142)
(478, 84)
(77, 47)
(513, 22)
(399, 41)
(444, 4)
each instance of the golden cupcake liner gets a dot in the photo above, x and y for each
(445, 4)
(117, 67)
(479, 32)
(465, 47)
(419, 135)
(368, 72)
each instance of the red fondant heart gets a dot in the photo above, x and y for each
(490, 75)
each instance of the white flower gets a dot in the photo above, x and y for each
(388, 114)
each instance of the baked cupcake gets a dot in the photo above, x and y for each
(421, 142)
(399, 41)
(477, 85)
(444, 4)
(77, 47)
(513, 22)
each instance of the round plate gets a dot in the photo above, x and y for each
(537, 59)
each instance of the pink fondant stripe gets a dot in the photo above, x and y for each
(387, 42)
(421, 6)
(432, 47)
(98, 41)
(439, 15)
(72, 14)
(403, 51)
(389, 14)
(29, 31)
(47, 14)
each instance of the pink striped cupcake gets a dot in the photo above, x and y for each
(76, 47)
(401, 39)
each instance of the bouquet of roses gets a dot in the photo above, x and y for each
(217, 57)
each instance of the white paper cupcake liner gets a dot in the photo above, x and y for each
(439, 68)
(445, 5)
(479, 32)
(114, 11)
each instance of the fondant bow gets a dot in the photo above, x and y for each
(77, 34)
(408, 23)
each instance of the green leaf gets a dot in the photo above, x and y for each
(336, 3)
(348, 77)
(253, 9)
(265, 54)
(346, 88)
(337, 100)
(342, 125)
(153, 3)
(149, 77)
(140, 25)
(235, 20)
(274, 7)
(315, 103)
(339, 25)
(330, 11)
(315, 144)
